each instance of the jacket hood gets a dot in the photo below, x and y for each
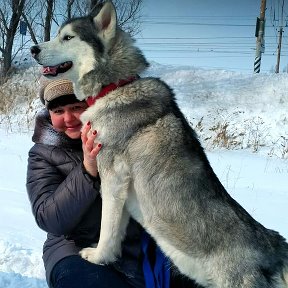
(44, 133)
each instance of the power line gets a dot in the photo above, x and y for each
(199, 38)
(223, 46)
(179, 23)
(194, 23)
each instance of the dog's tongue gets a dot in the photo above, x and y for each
(49, 70)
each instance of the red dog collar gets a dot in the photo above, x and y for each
(106, 89)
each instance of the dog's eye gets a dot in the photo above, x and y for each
(67, 37)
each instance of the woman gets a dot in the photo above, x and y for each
(63, 188)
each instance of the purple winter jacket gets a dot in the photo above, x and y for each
(66, 202)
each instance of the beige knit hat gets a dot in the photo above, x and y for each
(51, 89)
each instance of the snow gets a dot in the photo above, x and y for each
(241, 121)
(20, 239)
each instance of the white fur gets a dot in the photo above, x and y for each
(114, 187)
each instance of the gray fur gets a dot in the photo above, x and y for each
(153, 168)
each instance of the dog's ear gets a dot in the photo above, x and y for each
(106, 22)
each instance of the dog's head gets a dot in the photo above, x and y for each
(91, 51)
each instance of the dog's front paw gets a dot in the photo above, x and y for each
(94, 255)
(91, 255)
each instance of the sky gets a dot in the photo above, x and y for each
(253, 108)
(211, 34)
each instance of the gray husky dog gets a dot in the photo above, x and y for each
(152, 166)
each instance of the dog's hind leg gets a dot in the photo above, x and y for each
(115, 218)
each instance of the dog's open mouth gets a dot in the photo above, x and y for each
(55, 70)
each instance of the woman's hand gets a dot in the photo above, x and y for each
(90, 149)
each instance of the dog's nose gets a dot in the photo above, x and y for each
(35, 50)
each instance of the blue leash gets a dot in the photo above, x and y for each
(159, 277)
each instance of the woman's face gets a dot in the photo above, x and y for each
(67, 119)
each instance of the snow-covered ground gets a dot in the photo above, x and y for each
(247, 114)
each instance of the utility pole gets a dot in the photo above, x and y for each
(260, 45)
(279, 41)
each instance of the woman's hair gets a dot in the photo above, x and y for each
(62, 101)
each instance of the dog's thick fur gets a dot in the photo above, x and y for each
(153, 168)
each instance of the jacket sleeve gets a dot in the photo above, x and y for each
(58, 202)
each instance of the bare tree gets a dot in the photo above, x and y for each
(128, 14)
(10, 13)
(94, 3)
(56, 12)
(48, 19)
(69, 8)
(129, 11)
(39, 17)
(33, 16)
